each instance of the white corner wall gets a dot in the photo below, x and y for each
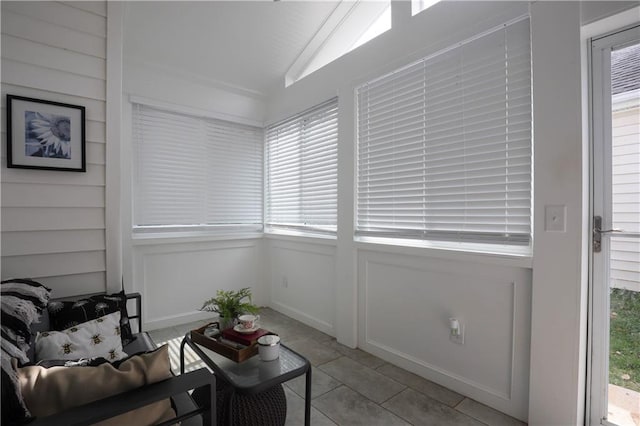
(395, 302)
(168, 88)
(300, 277)
(558, 329)
(53, 223)
(176, 278)
(176, 275)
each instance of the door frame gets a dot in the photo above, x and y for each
(600, 143)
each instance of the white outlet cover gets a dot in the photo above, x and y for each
(555, 218)
(459, 339)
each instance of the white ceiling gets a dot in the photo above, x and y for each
(244, 44)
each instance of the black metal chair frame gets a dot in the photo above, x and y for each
(115, 405)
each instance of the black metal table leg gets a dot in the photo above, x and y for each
(184, 341)
(307, 399)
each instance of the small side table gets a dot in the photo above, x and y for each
(253, 375)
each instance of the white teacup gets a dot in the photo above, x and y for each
(248, 321)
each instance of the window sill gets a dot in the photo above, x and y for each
(480, 253)
(153, 238)
(301, 237)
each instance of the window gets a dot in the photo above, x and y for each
(381, 24)
(444, 145)
(193, 172)
(350, 25)
(418, 6)
(301, 178)
(625, 166)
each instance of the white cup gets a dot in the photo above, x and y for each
(269, 347)
(248, 322)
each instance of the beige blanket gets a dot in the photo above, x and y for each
(49, 390)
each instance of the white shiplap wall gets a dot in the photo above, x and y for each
(53, 223)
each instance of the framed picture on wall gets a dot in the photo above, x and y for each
(45, 135)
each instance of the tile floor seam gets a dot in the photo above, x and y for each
(364, 396)
(398, 415)
(394, 395)
(320, 409)
(382, 374)
(368, 399)
(290, 388)
(455, 407)
(323, 393)
(312, 397)
(327, 373)
(360, 362)
(325, 363)
(473, 418)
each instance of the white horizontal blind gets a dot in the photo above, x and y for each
(444, 144)
(195, 171)
(301, 177)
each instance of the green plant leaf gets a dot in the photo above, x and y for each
(229, 303)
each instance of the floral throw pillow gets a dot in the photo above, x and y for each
(96, 338)
(66, 314)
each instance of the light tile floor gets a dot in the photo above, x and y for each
(351, 387)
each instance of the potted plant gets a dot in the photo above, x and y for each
(228, 304)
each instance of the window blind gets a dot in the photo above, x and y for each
(301, 176)
(195, 171)
(445, 146)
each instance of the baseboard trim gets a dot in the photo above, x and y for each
(318, 324)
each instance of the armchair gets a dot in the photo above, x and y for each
(188, 411)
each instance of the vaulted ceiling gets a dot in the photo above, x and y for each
(245, 44)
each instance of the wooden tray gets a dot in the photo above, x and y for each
(237, 355)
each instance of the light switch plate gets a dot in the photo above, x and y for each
(555, 218)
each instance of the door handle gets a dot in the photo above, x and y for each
(598, 231)
(609, 231)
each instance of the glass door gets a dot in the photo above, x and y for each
(615, 274)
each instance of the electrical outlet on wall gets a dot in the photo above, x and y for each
(457, 335)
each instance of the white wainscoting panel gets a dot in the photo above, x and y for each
(405, 303)
(302, 281)
(176, 279)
